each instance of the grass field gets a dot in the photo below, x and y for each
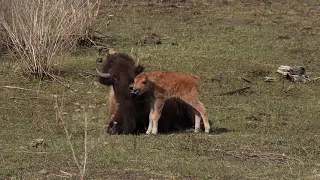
(271, 131)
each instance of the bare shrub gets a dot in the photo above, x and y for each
(2, 41)
(42, 30)
(3, 34)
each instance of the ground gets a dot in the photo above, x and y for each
(270, 131)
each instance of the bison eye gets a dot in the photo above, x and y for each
(144, 82)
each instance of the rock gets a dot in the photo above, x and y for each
(35, 143)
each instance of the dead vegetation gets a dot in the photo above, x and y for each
(42, 31)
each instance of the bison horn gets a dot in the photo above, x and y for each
(104, 75)
(138, 62)
(103, 51)
(138, 57)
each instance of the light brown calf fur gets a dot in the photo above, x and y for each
(166, 85)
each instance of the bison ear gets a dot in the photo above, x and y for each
(115, 79)
(111, 51)
(139, 69)
(103, 51)
(106, 51)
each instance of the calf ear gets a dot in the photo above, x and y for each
(139, 69)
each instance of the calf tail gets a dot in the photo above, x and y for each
(197, 82)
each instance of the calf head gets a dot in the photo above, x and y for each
(141, 84)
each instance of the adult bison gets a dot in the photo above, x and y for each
(129, 113)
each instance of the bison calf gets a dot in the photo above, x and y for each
(165, 85)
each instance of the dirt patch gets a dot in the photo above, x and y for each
(302, 51)
(131, 174)
(254, 155)
(152, 38)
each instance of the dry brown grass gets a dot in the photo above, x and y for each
(3, 39)
(42, 30)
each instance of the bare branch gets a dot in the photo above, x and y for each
(241, 90)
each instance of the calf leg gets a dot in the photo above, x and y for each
(158, 106)
(202, 110)
(197, 122)
(150, 122)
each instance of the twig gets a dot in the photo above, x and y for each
(61, 176)
(71, 81)
(305, 150)
(83, 169)
(30, 152)
(246, 80)
(269, 79)
(59, 116)
(88, 72)
(14, 87)
(24, 98)
(71, 145)
(37, 91)
(84, 76)
(314, 79)
(85, 145)
(57, 78)
(235, 91)
(262, 156)
(66, 173)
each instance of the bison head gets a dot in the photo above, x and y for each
(117, 68)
